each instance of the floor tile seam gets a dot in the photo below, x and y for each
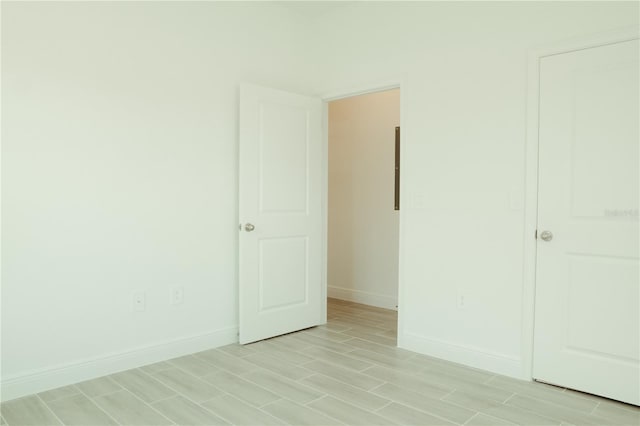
(185, 371)
(563, 407)
(552, 401)
(329, 415)
(354, 387)
(225, 369)
(317, 399)
(349, 370)
(220, 415)
(531, 411)
(509, 398)
(312, 409)
(109, 378)
(429, 412)
(450, 370)
(217, 350)
(273, 371)
(348, 317)
(48, 408)
(462, 384)
(182, 368)
(472, 417)
(259, 407)
(369, 322)
(302, 405)
(60, 397)
(143, 402)
(377, 326)
(577, 395)
(350, 357)
(372, 341)
(178, 393)
(98, 406)
(376, 411)
(294, 353)
(344, 383)
(421, 410)
(379, 364)
(451, 392)
(497, 415)
(384, 347)
(170, 362)
(372, 323)
(328, 349)
(621, 406)
(373, 389)
(150, 375)
(282, 377)
(250, 382)
(473, 409)
(166, 398)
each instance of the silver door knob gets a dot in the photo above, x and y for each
(546, 236)
(249, 227)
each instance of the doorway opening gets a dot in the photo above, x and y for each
(363, 213)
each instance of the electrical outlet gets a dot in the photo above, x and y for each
(461, 300)
(139, 302)
(177, 295)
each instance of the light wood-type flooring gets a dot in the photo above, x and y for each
(346, 372)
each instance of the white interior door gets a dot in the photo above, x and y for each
(587, 324)
(280, 213)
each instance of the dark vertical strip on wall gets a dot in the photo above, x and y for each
(396, 192)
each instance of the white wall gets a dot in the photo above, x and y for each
(363, 225)
(463, 68)
(119, 173)
(119, 167)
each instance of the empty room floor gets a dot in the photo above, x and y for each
(347, 372)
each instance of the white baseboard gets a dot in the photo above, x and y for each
(469, 356)
(364, 297)
(51, 378)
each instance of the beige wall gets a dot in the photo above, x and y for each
(363, 225)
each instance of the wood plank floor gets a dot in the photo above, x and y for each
(346, 372)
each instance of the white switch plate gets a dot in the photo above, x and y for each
(139, 302)
(177, 295)
(461, 300)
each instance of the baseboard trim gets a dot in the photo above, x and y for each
(461, 354)
(364, 297)
(63, 375)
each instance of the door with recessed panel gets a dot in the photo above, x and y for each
(280, 234)
(587, 322)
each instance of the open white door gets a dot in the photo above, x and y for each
(587, 323)
(280, 213)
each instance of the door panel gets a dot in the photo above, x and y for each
(587, 326)
(280, 196)
(284, 278)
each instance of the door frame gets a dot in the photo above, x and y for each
(396, 83)
(531, 170)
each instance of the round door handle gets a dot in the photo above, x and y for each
(546, 236)
(249, 227)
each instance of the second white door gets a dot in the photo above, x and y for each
(587, 324)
